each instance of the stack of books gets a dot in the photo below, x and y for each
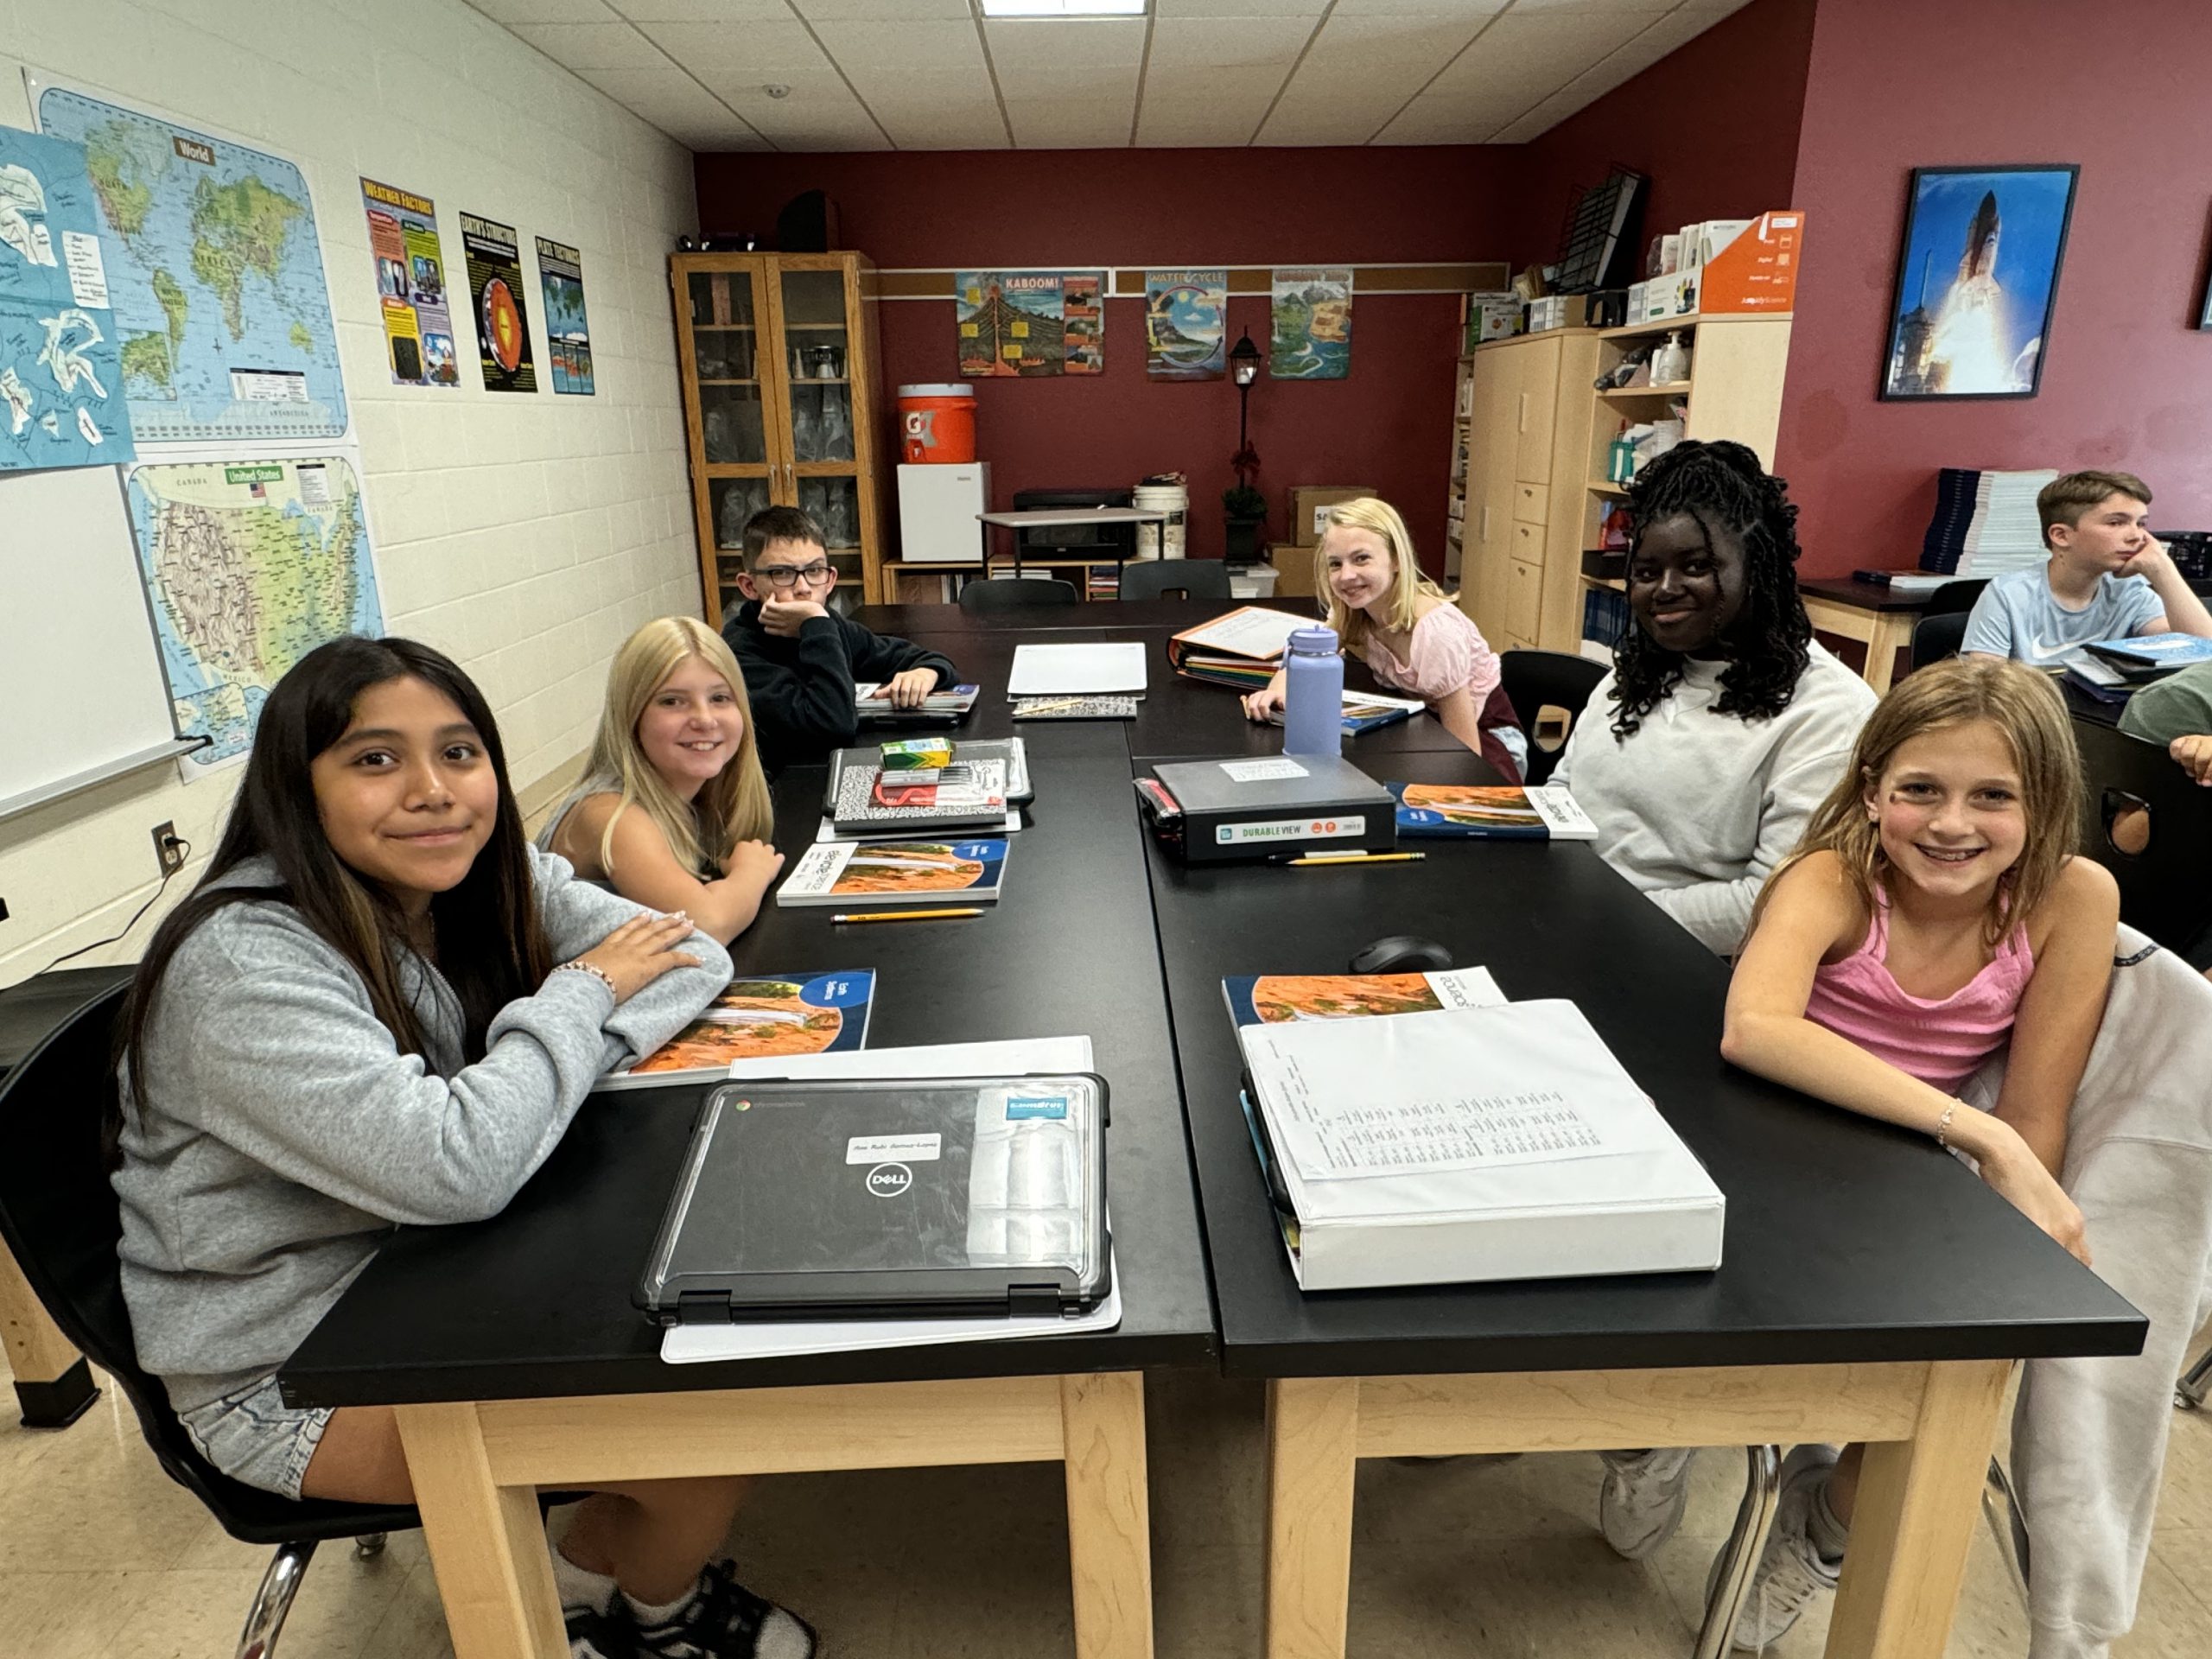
(1242, 649)
(1985, 523)
(763, 1017)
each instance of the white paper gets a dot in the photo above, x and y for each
(88, 275)
(1078, 670)
(1005, 1057)
(895, 1149)
(1254, 631)
(1254, 771)
(1452, 1088)
(698, 1344)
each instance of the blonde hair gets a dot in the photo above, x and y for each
(2028, 712)
(731, 806)
(1371, 513)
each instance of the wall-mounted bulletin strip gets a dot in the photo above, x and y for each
(1126, 281)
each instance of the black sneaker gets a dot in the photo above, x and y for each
(608, 1632)
(725, 1620)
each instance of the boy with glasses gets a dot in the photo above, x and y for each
(801, 660)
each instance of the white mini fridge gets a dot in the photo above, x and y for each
(937, 506)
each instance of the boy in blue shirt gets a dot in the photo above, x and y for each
(2107, 577)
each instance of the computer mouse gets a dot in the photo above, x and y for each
(1401, 953)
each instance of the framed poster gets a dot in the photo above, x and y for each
(1977, 278)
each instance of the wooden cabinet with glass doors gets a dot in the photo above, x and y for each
(779, 353)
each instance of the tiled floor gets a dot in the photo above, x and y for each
(101, 1556)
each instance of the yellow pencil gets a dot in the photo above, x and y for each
(903, 915)
(1355, 858)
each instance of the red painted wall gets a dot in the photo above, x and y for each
(1714, 125)
(2124, 379)
(1385, 426)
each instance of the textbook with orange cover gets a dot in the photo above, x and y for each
(1543, 812)
(1277, 999)
(763, 1017)
(874, 874)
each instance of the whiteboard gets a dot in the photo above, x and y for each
(82, 691)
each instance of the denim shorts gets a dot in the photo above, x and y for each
(251, 1435)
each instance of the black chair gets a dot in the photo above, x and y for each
(1016, 593)
(2165, 888)
(1943, 625)
(1537, 680)
(59, 1215)
(1194, 578)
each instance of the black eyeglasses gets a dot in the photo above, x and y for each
(785, 576)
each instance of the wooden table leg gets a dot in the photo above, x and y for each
(53, 1383)
(1312, 1436)
(487, 1542)
(1919, 1501)
(1891, 632)
(1109, 1525)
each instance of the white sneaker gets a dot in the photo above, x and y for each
(1790, 1572)
(1641, 1502)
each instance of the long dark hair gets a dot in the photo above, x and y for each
(492, 946)
(1722, 485)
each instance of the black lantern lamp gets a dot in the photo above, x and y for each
(1245, 369)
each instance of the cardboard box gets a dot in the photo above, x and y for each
(1308, 502)
(1295, 570)
(1756, 271)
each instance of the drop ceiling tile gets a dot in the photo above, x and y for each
(512, 12)
(1537, 122)
(1225, 42)
(1471, 11)
(1392, 41)
(1309, 10)
(818, 11)
(1311, 113)
(703, 47)
(1200, 90)
(701, 12)
(610, 45)
(1433, 120)
(1070, 123)
(941, 43)
(964, 127)
(1715, 9)
(1223, 122)
(1069, 50)
(742, 88)
(1531, 57)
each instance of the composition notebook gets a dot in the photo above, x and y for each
(763, 1017)
(812, 1199)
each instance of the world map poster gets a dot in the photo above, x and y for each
(222, 310)
(249, 565)
(60, 377)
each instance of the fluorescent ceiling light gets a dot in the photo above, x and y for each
(1065, 7)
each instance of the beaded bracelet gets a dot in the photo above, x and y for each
(594, 970)
(1943, 1125)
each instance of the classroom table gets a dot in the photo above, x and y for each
(1873, 1289)
(516, 1360)
(1085, 616)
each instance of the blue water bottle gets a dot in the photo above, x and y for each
(1314, 694)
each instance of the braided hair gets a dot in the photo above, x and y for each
(1721, 485)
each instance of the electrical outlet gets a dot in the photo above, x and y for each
(168, 848)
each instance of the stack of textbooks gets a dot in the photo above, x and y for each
(1985, 522)
(1242, 649)
(872, 793)
(2144, 657)
(884, 875)
(1370, 711)
(1466, 1140)
(772, 1016)
(1542, 812)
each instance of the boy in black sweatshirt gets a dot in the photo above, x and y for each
(801, 660)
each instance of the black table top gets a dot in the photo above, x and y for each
(1847, 1241)
(1083, 616)
(537, 1300)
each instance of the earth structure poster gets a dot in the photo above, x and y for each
(1311, 336)
(212, 263)
(495, 293)
(61, 400)
(1186, 329)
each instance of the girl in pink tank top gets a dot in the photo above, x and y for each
(1933, 912)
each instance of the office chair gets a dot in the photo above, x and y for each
(1194, 578)
(1943, 625)
(1016, 593)
(60, 1217)
(1537, 680)
(2166, 888)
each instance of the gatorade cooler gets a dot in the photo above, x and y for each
(936, 424)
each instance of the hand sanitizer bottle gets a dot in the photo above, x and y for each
(1314, 694)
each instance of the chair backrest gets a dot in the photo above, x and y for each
(1198, 578)
(1013, 592)
(61, 1221)
(1536, 680)
(1934, 638)
(1958, 595)
(2166, 888)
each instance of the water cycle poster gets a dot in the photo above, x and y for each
(568, 334)
(1311, 336)
(1186, 326)
(495, 291)
(410, 286)
(1029, 323)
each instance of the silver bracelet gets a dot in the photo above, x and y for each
(600, 974)
(1942, 1123)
